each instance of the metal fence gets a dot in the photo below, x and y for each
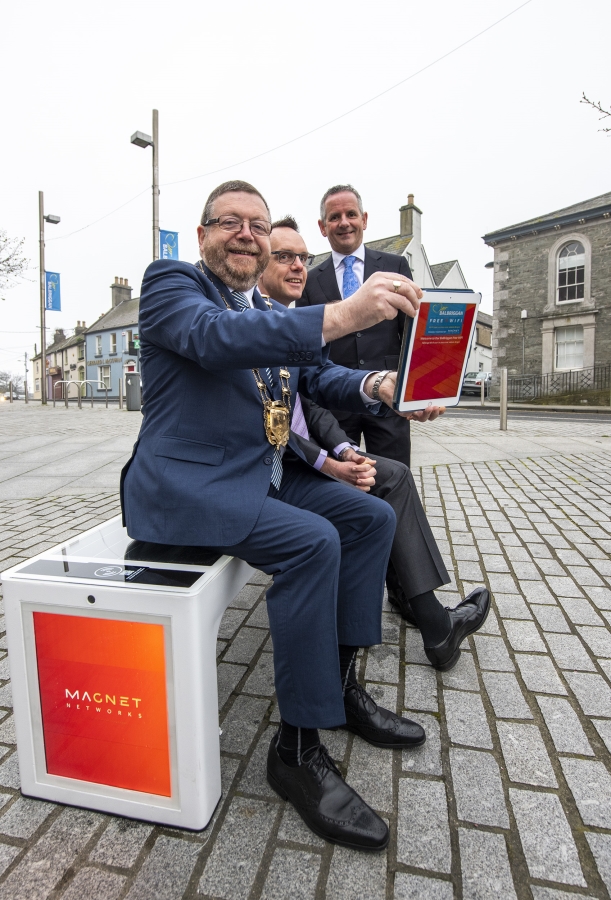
(532, 387)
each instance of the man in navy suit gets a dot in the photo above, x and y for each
(210, 469)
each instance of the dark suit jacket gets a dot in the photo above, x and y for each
(200, 471)
(377, 347)
(325, 431)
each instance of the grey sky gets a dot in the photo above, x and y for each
(492, 135)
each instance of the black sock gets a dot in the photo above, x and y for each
(293, 742)
(347, 664)
(433, 619)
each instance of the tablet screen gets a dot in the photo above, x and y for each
(439, 346)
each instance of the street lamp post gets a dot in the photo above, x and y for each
(140, 139)
(52, 220)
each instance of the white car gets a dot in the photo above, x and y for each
(473, 382)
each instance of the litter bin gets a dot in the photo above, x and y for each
(113, 666)
(133, 391)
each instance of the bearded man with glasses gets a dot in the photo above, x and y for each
(214, 466)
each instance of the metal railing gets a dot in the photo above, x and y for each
(533, 387)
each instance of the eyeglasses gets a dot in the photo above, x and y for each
(233, 224)
(286, 258)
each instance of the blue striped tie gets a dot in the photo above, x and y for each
(242, 304)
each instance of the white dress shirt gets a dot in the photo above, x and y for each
(358, 267)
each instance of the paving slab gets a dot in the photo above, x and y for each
(533, 686)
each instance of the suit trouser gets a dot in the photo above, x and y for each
(387, 436)
(414, 555)
(327, 547)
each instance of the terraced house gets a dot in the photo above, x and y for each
(110, 342)
(65, 362)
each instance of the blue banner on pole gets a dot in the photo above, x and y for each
(168, 244)
(53, 298)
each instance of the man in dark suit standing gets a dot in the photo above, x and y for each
(343, 221)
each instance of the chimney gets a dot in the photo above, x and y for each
(120, 291)
(410, 219)
(80, 328)
(59, 335)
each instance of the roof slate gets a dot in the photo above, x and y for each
(440, 270)
(593, 203)
(63, 344)
(120, 316)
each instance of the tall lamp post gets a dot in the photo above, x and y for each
(52, 220)
(140, 139)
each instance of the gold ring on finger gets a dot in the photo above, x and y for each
(396, 285)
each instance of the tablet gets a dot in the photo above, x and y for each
(435, 350)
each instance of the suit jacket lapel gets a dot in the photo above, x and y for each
(372, 263)
(328, 281)
(258, 301)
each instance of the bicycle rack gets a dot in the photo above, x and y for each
(99, 384)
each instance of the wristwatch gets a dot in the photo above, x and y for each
(375, 391)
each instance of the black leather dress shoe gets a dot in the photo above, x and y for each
(376, 725)
(466, 618)
(398, 600)
(325, 802)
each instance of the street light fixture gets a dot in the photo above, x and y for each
(52, 220)
(140, 139)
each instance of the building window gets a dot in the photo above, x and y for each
(98, 345)
(81, 350)
(571, 273)
(37, 384)
(104, 377)
(113, 343)
(569, 347)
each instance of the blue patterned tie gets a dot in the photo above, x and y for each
(351, 283)
(242, 304)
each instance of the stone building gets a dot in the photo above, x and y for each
(552, 286)
(445, 275)
(65, 361)
(108, 342)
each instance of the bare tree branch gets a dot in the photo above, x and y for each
(606, 113)
(13, 264)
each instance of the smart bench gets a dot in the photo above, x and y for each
(112, 654)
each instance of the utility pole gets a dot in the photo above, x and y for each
(26, 378)
(52, 220)
(41, 264)
(155, 184)
(140, 139)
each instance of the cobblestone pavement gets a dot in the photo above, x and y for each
(509, 798)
